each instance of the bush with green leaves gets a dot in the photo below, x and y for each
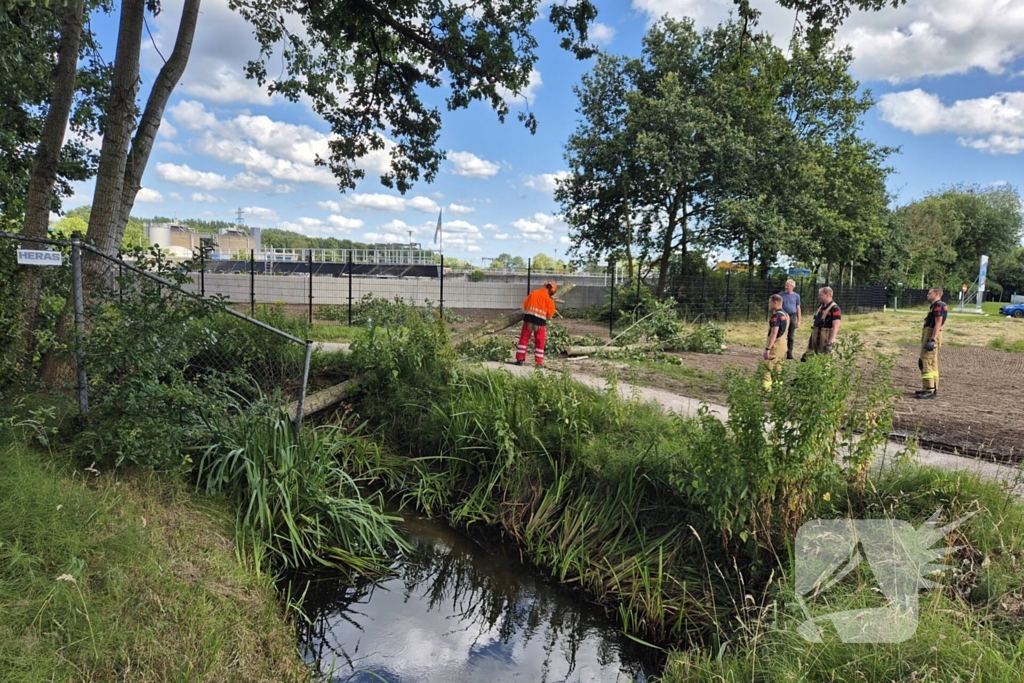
(817, 431)
(371, 311)
(159, 361)
(18, 372)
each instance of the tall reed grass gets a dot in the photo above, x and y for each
(297, 506)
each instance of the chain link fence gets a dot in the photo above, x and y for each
(141, 343)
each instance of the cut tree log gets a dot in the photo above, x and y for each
(325, 398)
(598, 350)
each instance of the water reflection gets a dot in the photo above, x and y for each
(457, 613)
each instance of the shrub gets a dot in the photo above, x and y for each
(296, 506)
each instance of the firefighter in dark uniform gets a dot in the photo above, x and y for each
(931, 340)
(826, 325)
(776, 348)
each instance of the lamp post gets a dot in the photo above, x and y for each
(410, 247)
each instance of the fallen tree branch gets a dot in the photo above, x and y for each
(325, 398)
(599, 350)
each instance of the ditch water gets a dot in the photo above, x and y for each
(457, 612)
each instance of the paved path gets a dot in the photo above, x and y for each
(684, 405)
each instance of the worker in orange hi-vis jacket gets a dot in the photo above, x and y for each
(538, 308)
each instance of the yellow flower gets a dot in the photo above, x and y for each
(827, 496)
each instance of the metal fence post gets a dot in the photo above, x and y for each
(202, 269)
(703, 291)
(441, 303)
(76, 279)
(305, 381)
(310, 287)
(750, 285)
(529, 272)
(611, 305)
(350, 288)
(252, 281)
(728, 282)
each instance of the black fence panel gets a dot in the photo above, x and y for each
(724, 297)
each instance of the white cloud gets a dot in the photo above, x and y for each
(183, 174)
(166, 130)
(460, 210)
(460, 235)
(377, 201)
(425, 204)
(260, 213)
(921, 38)
(538, 228)
(469, 165)
(207, 198)
(284, 151)
(397, 227)
(502, 236)
(564, 239)
(473, 248)
(193, 115)
(227, 85)
(491, 227)
(385, 238)
(344, 223)
(175, 196)
(330, 205)
(525, 96)
(992, 124)
(148, 196)
(602, 34)
(170, 147)
(545, 182)
(936, 38)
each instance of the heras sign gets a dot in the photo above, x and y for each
(39, 257)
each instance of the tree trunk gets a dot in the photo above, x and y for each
(142, 144)
(667, 247)
(629, 233)
(45, 165)
(118, 125)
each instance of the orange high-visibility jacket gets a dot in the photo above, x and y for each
(539, 303)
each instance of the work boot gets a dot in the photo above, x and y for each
(519, 362)
(927, 394)
(789, 356)
(920, 392)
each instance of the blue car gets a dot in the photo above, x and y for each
(1016, 310)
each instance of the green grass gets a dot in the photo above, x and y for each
(969, 630)
(1001, 343)
(108, 577)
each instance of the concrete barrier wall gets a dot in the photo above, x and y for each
(292, 289)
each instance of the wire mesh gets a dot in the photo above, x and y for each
(149, 344)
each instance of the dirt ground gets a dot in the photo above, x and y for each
(979, 410)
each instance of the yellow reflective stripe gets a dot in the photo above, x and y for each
(543, 315)
(929, 375)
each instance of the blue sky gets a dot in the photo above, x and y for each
(948, 76)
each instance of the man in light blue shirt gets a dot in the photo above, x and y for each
(791, 305)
